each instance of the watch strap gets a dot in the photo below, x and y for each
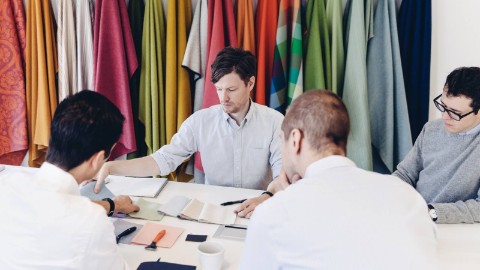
(112, 206)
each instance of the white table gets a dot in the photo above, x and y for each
(458, 244)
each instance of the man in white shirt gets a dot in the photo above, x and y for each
(238, 139)
(46, 224)
(337, 216)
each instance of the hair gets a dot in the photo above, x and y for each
(83, 124)
(465, 81)
(322, 118)
(236, 60)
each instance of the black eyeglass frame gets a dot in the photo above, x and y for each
(455, 116)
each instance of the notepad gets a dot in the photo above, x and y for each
(150, 230)
(135, 186)
(193, 209)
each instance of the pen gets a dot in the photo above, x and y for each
(125, 233)
(232, 202)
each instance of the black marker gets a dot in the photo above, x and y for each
(232, 202)
(125, 233)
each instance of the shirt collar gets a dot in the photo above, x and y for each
(324, 164)
(471, 131)
(248, 116)
(54, 178)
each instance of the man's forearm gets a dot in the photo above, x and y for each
(145, 166)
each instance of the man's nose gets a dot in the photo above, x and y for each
(446, 116)
(225, 96)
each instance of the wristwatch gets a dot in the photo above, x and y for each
(268, 193)
(432, 212)
(112, 206)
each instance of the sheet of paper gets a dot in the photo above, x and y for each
(150, 230)
(174, 206)
(134, 186)
(148, 210)
(217, 214)
(88, 192)
(121, 225)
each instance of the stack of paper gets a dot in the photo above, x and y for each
(193, 209)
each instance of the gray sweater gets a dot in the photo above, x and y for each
(445, 169)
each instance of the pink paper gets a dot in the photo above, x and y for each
(150, 230)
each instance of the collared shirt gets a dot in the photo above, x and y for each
(342, 217)
(471, 131)
(46, 224)
(245, 155)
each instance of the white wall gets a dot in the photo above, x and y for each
(455, 41)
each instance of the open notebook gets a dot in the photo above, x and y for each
(193, 209)
(135, 186)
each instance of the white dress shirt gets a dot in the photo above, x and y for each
(342, 217)
(46, 224)
(243, 156)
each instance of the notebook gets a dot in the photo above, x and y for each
(135, 186)
(121, 225)
(193, 209)
(150, 230)
(164, 266)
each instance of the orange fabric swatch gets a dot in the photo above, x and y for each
(266, 26)
(41, 60)
(13, 118)
(245, 27)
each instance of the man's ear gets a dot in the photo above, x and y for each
(251, 83)
(96, 161)
(296, 136)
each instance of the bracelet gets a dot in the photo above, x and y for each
(268, 193)
(112, 206)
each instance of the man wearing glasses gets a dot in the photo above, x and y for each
(444, 163)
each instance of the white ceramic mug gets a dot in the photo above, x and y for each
(210, 255)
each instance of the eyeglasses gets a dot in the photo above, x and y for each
(455, 116)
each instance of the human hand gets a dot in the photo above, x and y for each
(124, 204)
(101, 175)
(246, 208)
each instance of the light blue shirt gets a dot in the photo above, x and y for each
(244, 156)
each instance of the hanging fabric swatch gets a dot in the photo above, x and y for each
(84, 10)
(415, 35)
(266, 31)
(318, 68)
(196, 51)
(41, 92)
(66, 48)
(358, 14)
(152, 86)
(245, 27)
(136, 9)
(287, 78)
(114, 64)
(13, 118)
(178, 104)
(221, 34)
(334, 12)
(390, 126)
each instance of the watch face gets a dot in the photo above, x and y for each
(433, 213)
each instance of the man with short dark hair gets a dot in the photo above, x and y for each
(337, 216)
(238, 139)
(47, 224)
(443, 165)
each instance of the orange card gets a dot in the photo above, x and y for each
(150, 230)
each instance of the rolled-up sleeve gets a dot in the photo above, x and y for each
(181, 147)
